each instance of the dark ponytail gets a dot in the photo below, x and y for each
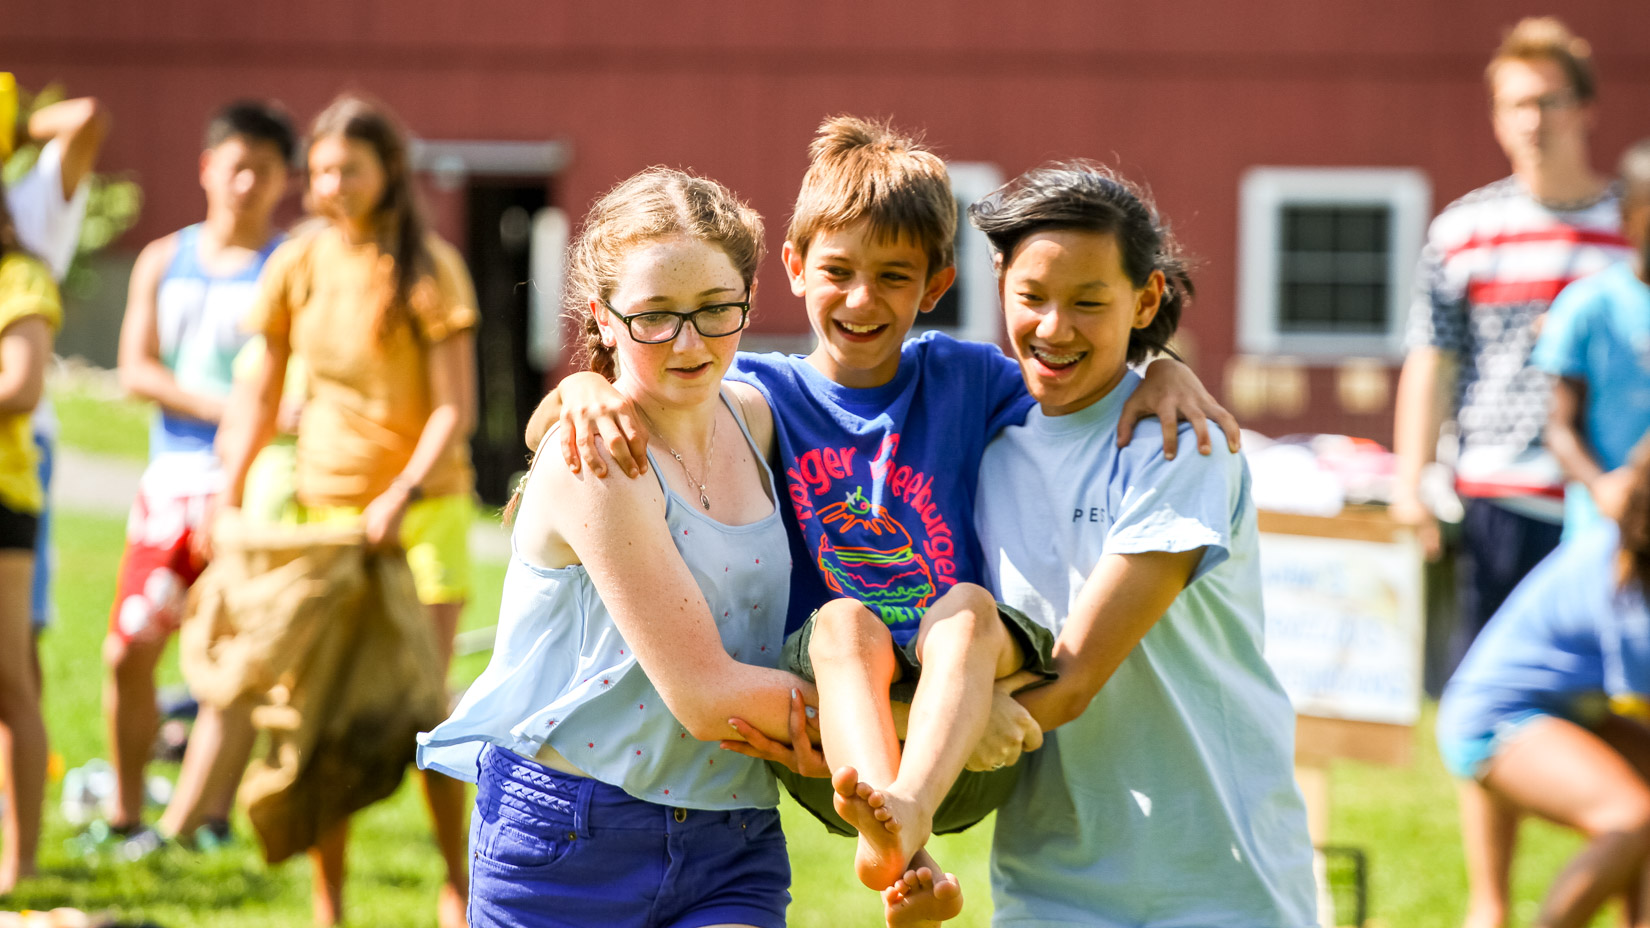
(1635, 531)
(1089, 197)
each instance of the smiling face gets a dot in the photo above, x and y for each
(1070, 308)
(346, 179)
(863, 294)
(1536, 113)
(246, 177)
(675, 274)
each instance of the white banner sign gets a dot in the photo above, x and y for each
(1344, 625)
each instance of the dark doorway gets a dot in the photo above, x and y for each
(500, 214)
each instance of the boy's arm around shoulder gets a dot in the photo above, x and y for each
(616, 529)
(598, 424)
(1170, 391)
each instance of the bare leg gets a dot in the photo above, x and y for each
(1632, 741)
(446, 796)
(129, 710)
(22, 729)
(924, 897)
(853, 660)
(1562, 772)
(963, 647)
(1489, 834)
(327, 856)
(220, 745)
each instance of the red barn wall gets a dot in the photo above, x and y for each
(1183, 96)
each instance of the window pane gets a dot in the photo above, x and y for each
(1333, 269)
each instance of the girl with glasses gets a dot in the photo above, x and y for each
(640, 614)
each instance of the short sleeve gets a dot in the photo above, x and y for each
(26, 289)
(47, 224)
(1175, 506)
(279, 287)
(449, 307)
(1438, 314)
(1562, 348)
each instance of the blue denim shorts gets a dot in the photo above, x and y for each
(560, 851)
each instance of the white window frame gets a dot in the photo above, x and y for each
(1265, 191)
(979, 314)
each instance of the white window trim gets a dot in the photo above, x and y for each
(1264, 191)
(979, 315)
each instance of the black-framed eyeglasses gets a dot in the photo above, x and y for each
(656, 326)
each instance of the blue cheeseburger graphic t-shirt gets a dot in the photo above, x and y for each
(881, 480)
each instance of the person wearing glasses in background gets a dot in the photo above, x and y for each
(1493, 262)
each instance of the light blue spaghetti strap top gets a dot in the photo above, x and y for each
(562, 674)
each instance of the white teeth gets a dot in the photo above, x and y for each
(859, 329)
(1052, 359)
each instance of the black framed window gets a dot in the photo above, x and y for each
(1334, 269)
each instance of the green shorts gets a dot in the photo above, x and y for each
(977, 793)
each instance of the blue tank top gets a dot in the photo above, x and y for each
(198, 316)
(561, 673)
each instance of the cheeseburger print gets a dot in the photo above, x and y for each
(876, 531)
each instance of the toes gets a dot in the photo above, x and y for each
(845, 780)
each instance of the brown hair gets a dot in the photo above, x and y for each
(399, 223)
(656, 203)
(1546, 38)
(860, 170)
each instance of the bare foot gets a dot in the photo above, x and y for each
(892, 829)
(451, 908)
(916, 900)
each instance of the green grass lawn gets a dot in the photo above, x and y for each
(1404, 819)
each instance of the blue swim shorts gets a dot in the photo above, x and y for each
(557, 851)
(1469, 758)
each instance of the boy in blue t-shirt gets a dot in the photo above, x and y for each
(1596, 344)
(880, 441)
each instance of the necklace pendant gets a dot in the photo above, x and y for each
(703, 499)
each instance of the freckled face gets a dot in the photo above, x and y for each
(1070, 308)
(674, 274)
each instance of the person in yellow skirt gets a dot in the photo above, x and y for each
(380, 312)
(30, 312)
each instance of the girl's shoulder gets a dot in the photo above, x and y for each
(27, 289)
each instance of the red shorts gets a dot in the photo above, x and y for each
(157, 569)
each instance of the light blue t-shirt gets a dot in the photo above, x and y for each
(562, 674)
(1598, 331)
(1569, 635)
(1171, 800)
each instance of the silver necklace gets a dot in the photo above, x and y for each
(710, 453)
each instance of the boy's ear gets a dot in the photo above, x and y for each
(795, 268)
(1148, 300)
(938, 283)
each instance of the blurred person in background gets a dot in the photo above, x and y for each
(1494, 260)
(189, 296)
(1593, 345)
(1548, 715)
(380, 310)
(30, 312)
(47, 205)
